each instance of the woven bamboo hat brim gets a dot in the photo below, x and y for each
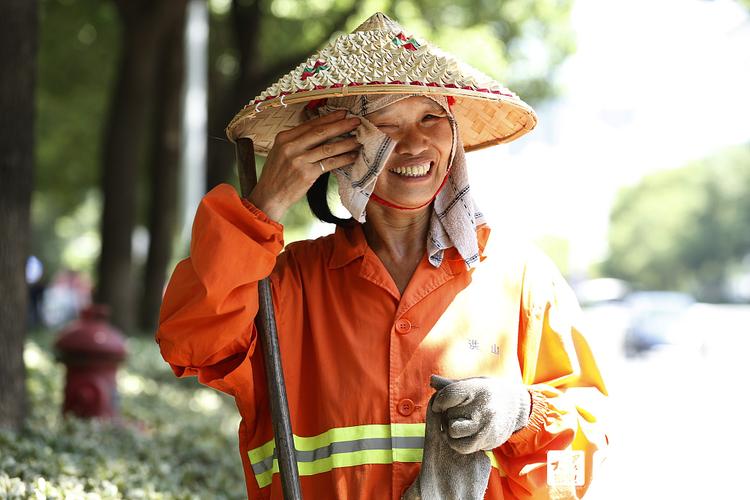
(380, 57)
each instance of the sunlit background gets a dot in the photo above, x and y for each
(636, 182)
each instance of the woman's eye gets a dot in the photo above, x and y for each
(432, 117)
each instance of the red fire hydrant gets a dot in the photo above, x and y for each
(91, 350)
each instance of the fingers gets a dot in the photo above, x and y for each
(334, 162)
(432, 419)
(438, 382)
(302, 128)
(306, 147)
(462, 427)
(456, 394)
(479, 413)
(330, 149)
(321, 133)
(465, 445)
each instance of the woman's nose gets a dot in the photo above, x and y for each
(411, 141)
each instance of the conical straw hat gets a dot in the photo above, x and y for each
(381, 57)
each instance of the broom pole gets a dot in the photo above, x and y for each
(265, 322)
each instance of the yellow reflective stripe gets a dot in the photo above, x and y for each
(348, 459)
(266, 478)
(493, 460)
(342, 434)
(355, 433)
(261, 452)
(408, 430)
(344, 460)
(407, 455)
(354, 459)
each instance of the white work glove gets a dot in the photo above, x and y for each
(463, 419)
(480, 413)
(445, 473)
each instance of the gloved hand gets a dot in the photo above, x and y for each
(445, 473)
(480, 413)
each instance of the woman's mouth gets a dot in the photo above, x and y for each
(420, 170)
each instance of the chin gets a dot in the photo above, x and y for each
(410, 203)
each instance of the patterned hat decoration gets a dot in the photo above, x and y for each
(381, 57)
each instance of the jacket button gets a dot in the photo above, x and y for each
(406, 407)
(403, 326)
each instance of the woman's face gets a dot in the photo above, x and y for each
(423, 136)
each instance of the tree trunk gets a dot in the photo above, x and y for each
(246, 21)
(18, 39)
(144, 25)
(219, 153)
(164, 170)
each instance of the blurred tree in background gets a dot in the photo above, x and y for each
(684, 229)
(18, 47)
(107, 70)
(136, 117)
(163, 167)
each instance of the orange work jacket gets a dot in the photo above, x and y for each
(357, 354)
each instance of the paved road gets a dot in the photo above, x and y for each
(678, 417)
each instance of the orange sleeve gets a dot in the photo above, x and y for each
(206, 319)
(565, 432)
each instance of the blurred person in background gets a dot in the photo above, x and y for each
(65, 297)
(35, 280)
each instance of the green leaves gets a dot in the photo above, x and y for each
(685, 228)
(178, 439)
(77, 57)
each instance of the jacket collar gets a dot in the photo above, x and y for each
(349, 244)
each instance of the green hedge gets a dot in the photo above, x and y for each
(177, 440)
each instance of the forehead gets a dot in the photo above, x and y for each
(411, 104)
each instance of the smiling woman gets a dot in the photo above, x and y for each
(410, 286)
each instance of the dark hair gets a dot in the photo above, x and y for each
(317, 198)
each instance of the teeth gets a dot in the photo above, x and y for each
(414, 171)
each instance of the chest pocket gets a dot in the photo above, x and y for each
(478, 333)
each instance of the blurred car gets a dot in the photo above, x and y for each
(598, 291)
(658, 319)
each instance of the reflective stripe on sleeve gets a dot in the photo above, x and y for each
(346, 447)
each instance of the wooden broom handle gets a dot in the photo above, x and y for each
(265, 322)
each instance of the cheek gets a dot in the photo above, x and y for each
(443, 140)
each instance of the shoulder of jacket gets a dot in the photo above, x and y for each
(521, 256)
(302, 253)
(545, 286)
(540, 276)
(539, 265)
(504, 266)
(311, 246)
